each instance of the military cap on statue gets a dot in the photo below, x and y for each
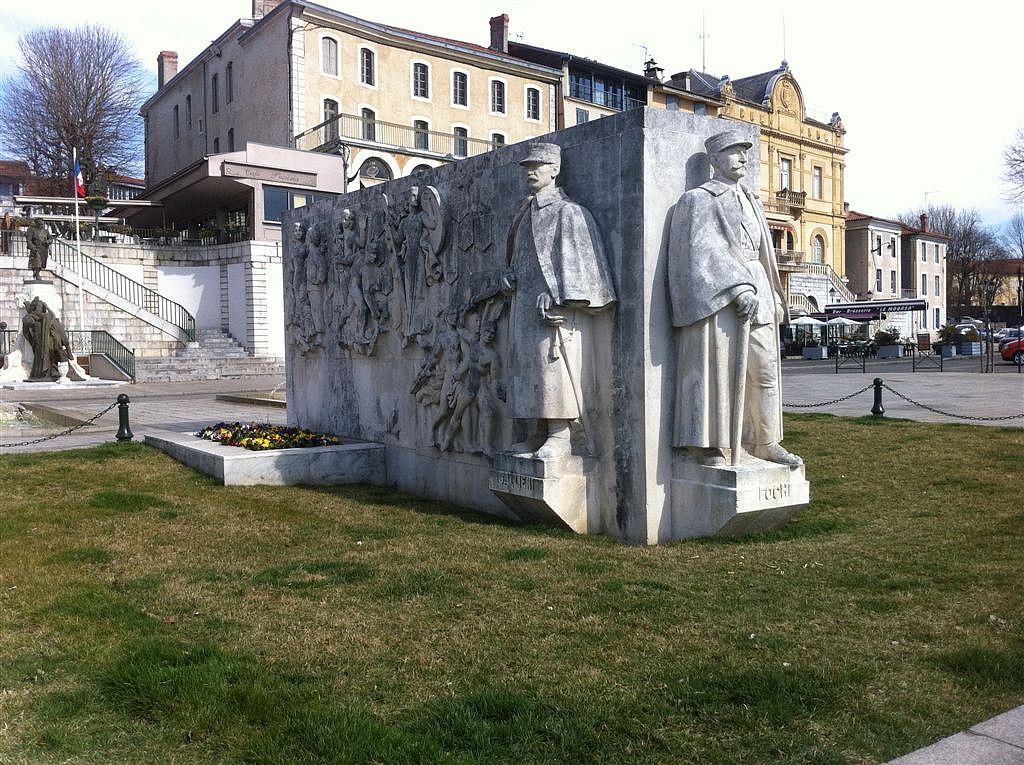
(724, 140)
(545, 153)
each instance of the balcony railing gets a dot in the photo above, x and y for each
(775, 206)
(350, 129)
(795, 200)
(607, 98)
(789, 257)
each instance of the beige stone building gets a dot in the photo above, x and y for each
(390, 100)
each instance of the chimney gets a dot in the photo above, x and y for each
(261, 8)
(166, 67)
(924, 221)
(652, 71)
(499, 33)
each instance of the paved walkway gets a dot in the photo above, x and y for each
(960, 393)
(179, 407)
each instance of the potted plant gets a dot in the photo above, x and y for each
(947, 341)
(888, 342)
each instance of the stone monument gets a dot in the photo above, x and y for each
(516, 330)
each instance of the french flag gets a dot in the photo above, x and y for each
(79, 180)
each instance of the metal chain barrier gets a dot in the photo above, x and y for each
(827, 403)
(72, 429)
(950, 414)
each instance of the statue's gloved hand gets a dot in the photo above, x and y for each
(508, 282)
(544, 303)
(746, 305)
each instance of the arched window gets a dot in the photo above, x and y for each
(497, 96)
(330, 119)
(817, 249)
(421, 134)
(460, 142)
(329, 56)
(460, 89)
(532, 104)
(367, 68)
(373, 171)
(369, 125)
(420, 80)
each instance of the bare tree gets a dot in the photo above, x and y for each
(1013, 236)
(1013, 173)
(971, 246)
(73, 88)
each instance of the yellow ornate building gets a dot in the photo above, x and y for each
(802, 175)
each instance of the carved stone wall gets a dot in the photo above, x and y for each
(397, 329)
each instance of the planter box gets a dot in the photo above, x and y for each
(948, 351)
(815, 352)
(890, 351)
(354, 462)
(969, 349)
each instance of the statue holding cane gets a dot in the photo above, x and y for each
(558, 276)
(726, 302)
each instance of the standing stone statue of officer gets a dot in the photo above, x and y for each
(558, 276)
(723, 275)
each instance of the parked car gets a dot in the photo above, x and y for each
(1004, 336)
(1013, 351)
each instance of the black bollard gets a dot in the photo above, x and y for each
(124, 430)
(877, 409)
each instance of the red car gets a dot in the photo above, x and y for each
(1013, 351)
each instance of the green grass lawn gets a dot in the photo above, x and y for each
(150, 616)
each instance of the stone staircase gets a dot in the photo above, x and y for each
(214, 355)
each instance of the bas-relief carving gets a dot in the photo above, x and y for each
(390, 270)
(299, 324)
(726, 302)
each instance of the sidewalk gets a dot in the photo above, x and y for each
(959, 390)
(181, 407)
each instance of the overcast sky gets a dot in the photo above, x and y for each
(929, 98)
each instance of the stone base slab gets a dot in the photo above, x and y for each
(92, 382)
(549, 492)
(752, 497)
(357, 462)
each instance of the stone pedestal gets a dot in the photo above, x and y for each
(550, 492)
(751, 497)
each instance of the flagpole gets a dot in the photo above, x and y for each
(78, 240)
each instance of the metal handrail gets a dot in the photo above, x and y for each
(101, 341)
(126, 288)
(329, 134)
(7, 338)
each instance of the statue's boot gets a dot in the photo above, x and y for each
(709, 456)
(558, 443)
(774, 452)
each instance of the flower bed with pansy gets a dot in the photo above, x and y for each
(260, 436)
